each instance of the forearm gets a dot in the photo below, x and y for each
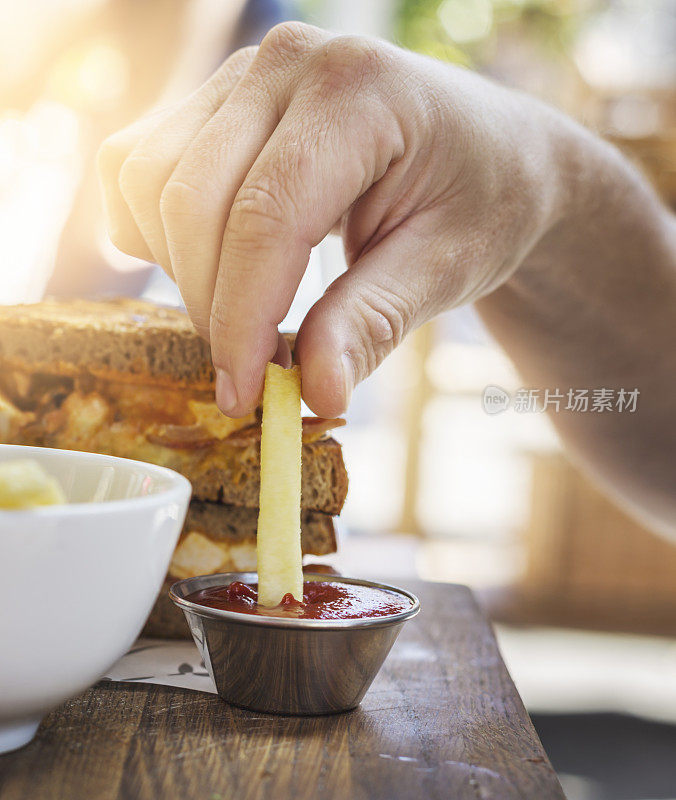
(594, 306)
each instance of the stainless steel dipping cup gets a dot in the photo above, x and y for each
(286, 665)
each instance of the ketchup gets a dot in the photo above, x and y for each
(321, 600)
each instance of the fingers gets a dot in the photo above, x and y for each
(122, 228)
(297, 189)
(363, 316)
(231, 190)
(137, 163)
(150, 165)
(196, 202)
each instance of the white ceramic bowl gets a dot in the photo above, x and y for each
(77, 581)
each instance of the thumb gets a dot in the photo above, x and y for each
(363, 315)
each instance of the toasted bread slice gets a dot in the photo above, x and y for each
(120, 337)
(235, 524)
(117, 338)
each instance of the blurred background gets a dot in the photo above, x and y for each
(584, 597)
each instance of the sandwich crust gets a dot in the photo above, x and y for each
(116, 338)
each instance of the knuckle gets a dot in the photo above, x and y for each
(384, 318)
(257, 209)
(233, 68)
(241, 58)
(348, 61)
(135, 176)
(287, 40)
(180, 198)
(386, 324)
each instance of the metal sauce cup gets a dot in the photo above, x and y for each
(286, 665)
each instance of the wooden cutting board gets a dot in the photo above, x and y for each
(442, 720)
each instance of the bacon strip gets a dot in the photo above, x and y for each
(316, 427)
(182, 437)
(313, 429)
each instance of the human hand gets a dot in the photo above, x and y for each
(439, 182)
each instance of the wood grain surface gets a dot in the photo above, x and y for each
(442, 720)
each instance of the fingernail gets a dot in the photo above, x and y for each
(348, 378)
(226, 394)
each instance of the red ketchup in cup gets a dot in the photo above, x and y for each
(321, 600)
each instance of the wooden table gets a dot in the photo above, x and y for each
(442, 720)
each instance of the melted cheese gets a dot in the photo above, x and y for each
(208, 416)
(197, 554)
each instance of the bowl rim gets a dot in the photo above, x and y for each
(176, 485)
(281, 622)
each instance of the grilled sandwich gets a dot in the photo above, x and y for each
(131, 379)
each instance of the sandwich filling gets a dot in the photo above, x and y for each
(222, 538)
(170, 426)
(198, 554)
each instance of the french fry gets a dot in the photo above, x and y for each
(280, 569)
(25, 484)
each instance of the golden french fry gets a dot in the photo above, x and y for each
(280, 566)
